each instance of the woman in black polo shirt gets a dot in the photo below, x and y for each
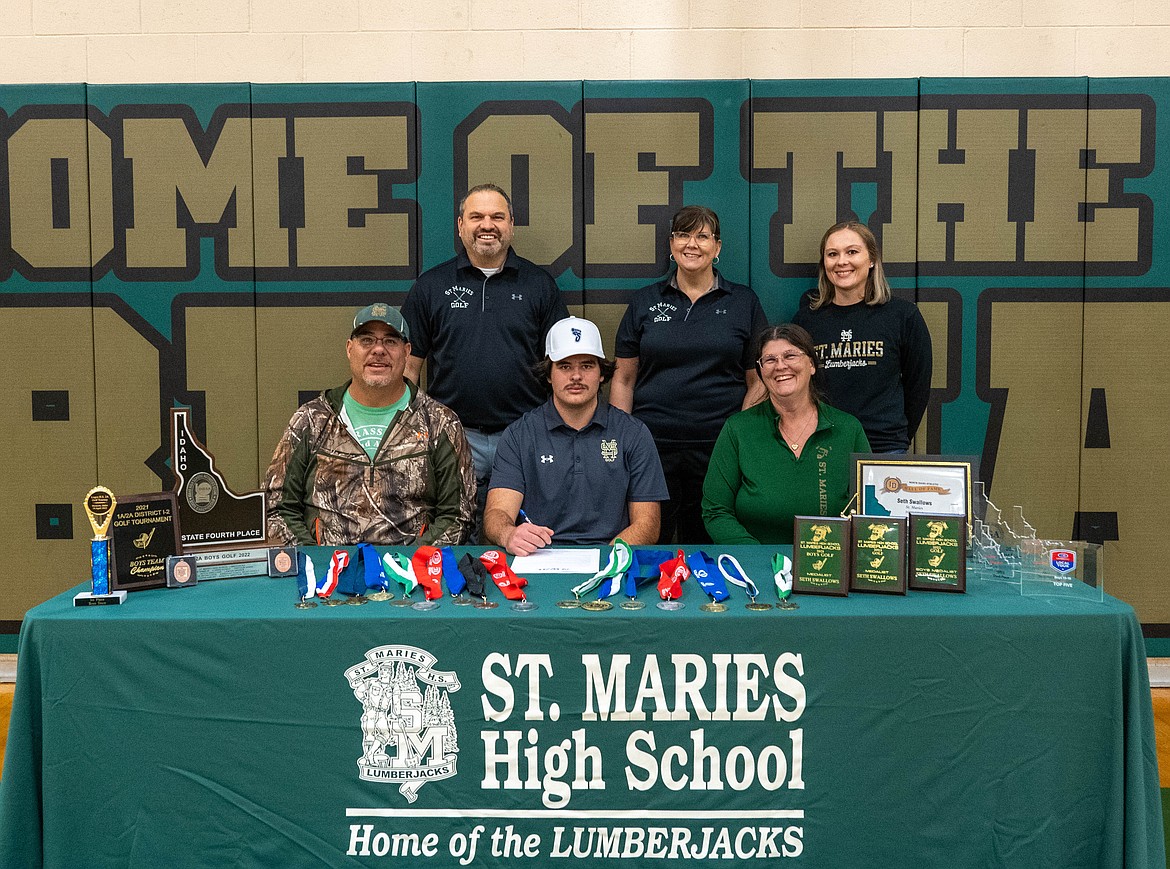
(684, 364)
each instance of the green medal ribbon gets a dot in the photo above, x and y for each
(620, 559)
(782, 573)
(399, 567)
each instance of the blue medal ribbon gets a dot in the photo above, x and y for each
(451, 574)
(372, 572)
(707, 574)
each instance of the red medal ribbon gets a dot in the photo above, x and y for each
(427, 562)
(671, 575)
(337, 565)
(506, 581)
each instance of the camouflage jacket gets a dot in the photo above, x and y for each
(323, 488)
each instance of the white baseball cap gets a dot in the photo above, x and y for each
(571, 336)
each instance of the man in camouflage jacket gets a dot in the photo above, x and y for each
(373, 461)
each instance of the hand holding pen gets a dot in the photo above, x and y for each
(528, 536)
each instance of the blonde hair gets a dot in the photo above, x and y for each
(877, 288)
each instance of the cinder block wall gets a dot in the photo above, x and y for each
(103, 41)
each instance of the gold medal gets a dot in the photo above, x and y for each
(714, 607)
(758, 607)
(380, 594)
(305, 605)
(597, 606)
(569, 604)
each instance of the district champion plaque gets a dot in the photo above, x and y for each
(820, 555)
(879, 554)
(145, 532)
(938, 552)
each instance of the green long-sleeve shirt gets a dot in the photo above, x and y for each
(755, 485)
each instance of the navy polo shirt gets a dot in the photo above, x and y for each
(579, 483)
(482, 336)
(691, 357)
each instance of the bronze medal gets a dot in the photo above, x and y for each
(332, 601)
(486, 604)
(714, 607)
(569, 603)
(305, 605)
(402, 601)
(357, 600)
(758, 607)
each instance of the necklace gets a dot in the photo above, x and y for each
(794, 443)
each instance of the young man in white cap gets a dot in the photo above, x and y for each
(374, 460)
(574, 471)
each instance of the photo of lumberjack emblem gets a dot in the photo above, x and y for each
(408, 727)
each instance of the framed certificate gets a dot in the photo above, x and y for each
(889, 485)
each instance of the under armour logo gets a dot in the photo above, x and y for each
(576, 334)
(546, 460)
(720, 310)
(517, 297)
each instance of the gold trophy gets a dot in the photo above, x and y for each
(99, 507)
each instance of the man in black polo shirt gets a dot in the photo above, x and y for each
(479, 320)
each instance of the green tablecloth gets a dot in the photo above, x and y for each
(216, 726)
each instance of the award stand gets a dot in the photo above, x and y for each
(99, 507)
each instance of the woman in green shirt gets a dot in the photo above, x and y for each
(787, 456)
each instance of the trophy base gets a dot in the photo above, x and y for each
(88, 598)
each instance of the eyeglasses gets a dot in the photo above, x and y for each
(789, 358)
(697, 237)
(368, 342)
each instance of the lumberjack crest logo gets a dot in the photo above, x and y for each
(820, 532)
(408, 728)
(460, 296)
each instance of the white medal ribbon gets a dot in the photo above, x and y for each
(736, 575)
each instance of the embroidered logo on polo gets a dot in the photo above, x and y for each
(720, 310)
(662, 312)
(609, 450)
(517, 297)
(460, 296)
(408, 726)
(546, 460)
(846, 334)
